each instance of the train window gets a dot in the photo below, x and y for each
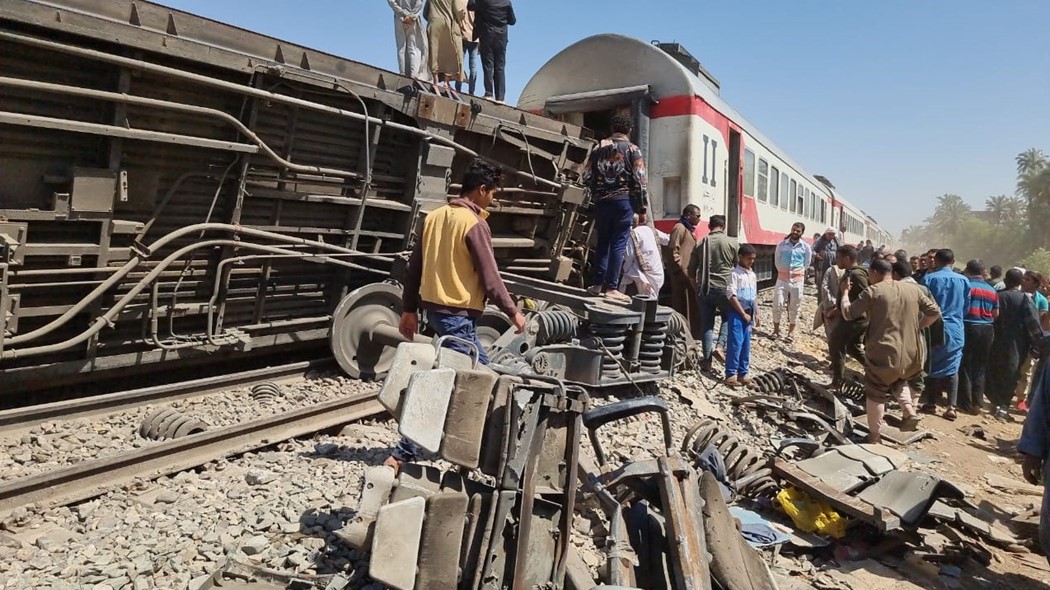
(714, 163)
(763, 179)
(706, 140)
(749, 172)
(794, 191)
(774, 186)
(807, 209)
(784, 191)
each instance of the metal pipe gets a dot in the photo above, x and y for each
(175, 106)
(135, 260)
(220, 269)
(40, 122)
(107, 318)
(234, 87)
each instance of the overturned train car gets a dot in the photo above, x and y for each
(180, 191)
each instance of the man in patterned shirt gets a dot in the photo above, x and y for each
(615, 175)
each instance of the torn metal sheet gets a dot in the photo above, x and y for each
(881, 518)
(908, 494)
(735, 565)
(891, 433)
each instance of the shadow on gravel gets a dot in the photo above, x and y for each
(332, 556)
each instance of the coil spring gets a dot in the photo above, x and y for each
(555, 326)
(774, 381)
(853, 389)
(747, 470)
(166, 423)
(612, 338)
(651, 353)
(266, 392)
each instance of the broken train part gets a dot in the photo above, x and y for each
(747, 470)
(657, 535)
(227, 197)
(167, 423)
(431, 529)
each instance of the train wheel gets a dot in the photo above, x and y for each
(364, 330)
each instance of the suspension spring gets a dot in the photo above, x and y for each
(612, 338)
(654, 340)
(747, 470)
(266, 392)
(555, 326)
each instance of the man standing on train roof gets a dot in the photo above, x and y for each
(951, 291)
(452, 273)
(615, 175)
(411, 38)
(710, 265)
(679, 254)
(792, 257)
(491, 19)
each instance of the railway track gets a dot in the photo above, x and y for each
(95, 477)
(15, 421)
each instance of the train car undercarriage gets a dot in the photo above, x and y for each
(180, 191)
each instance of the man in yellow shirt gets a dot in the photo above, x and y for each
(452, 273)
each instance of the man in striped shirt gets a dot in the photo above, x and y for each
(793, 256)
(979, 332)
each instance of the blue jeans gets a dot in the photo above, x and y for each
(714, 304)
(738, 343)
(613, 219)
(460, 326)
(470, 61)
(445, 324)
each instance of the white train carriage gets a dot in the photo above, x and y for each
(698, 148)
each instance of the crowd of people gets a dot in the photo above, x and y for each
(455, 34)
(917, 325)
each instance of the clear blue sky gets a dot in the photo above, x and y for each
(895, 101)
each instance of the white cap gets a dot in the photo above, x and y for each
(831, 230)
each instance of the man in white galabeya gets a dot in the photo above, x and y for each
(793, 256)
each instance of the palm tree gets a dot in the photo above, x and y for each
(1014, 209)
(950, 213)
(1030, 160)
(997, 207)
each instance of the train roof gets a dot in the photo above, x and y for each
(584, 67)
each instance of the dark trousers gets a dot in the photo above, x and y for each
(470, 63)
(935, 386)
(715, 304)
(846, 338)
(493, 45)
(978, 348)
(685, 302)
(613, 219)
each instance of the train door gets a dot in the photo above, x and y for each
(733, 185)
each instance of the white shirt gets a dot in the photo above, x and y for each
(642, 262)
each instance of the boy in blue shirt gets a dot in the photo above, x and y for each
(742, 289)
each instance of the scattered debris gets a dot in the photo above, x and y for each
(167, 423)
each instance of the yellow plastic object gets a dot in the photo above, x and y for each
(811, 515)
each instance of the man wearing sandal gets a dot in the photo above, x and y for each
(894, 350)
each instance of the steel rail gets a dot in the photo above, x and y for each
(93, 478)
(17, 420)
